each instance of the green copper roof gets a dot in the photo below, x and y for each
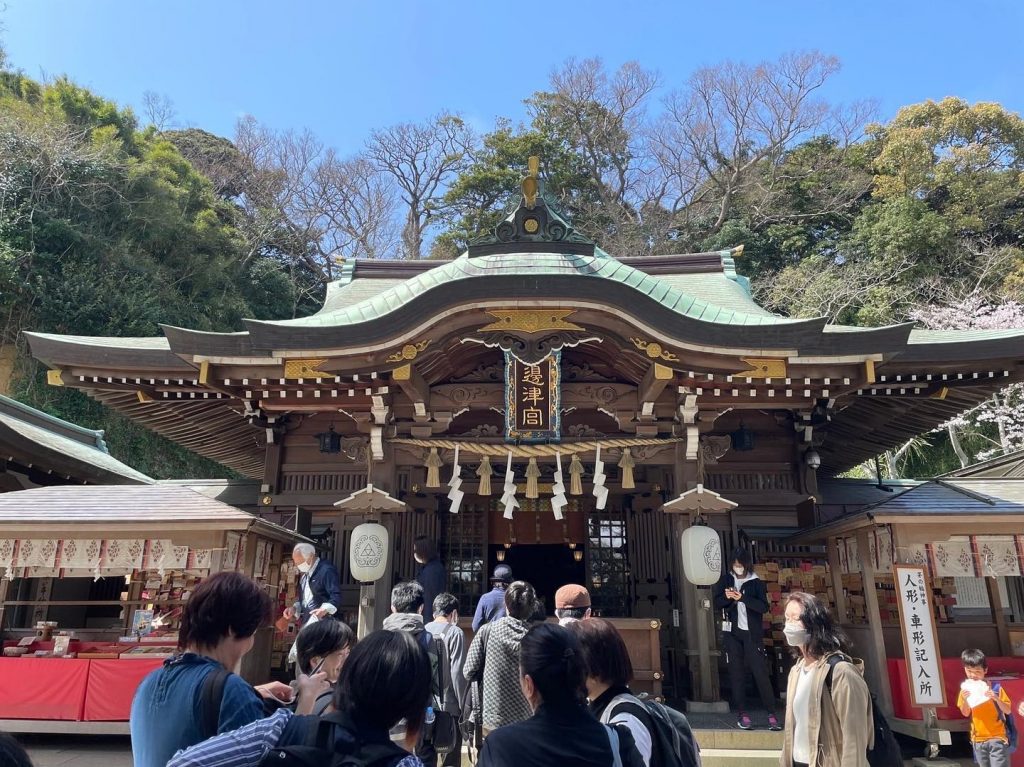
(90, 449)
(705, 297)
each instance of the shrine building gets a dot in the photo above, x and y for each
(536, 350)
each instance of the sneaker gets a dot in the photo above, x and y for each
(773, 723)
(744, 722)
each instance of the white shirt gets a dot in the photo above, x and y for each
(802, 714)
(741, 609)
(307, 592)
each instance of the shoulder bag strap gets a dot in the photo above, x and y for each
(210, 696)
(613, 740)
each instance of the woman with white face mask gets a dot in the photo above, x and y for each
(828, 706)
(743, 600)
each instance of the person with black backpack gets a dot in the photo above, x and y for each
(407, 616)
(831, 718)
(562, 732)
(386, 679)
(662, 736)
(445, 627)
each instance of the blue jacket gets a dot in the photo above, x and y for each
(165, 711)
(434, 581)
(490, 607)
(325, 583)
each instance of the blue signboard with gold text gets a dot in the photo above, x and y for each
(533, 399)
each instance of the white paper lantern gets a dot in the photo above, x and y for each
(702, 555)
(368, 552)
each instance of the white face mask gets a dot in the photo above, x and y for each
(304, 567)
(740, 572)
(796, 635)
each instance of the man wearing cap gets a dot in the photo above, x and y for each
(572, 603)
(492, 604)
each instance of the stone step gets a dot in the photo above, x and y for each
(739, 757)
(744, 740)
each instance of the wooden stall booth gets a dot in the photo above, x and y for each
(94, 580)
(966, 534)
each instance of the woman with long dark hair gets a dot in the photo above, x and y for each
(386, 679)
(561, 732)
(828, 706)
(743, 599)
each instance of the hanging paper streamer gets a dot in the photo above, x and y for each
(576, 475)
(626, 463)
(558, 499)
(532, 475)
(433, 464)
(8, 548)
(509, 496)
(600, 491)
(484, 471)
(455, 495)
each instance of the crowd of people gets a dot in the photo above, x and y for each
(526, 691)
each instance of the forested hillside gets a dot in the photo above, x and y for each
(112, 223)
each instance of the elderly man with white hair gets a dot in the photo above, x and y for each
(319, 586)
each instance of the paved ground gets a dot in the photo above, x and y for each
(115, 751)
(78, 750)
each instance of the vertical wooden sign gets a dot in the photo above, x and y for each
(920, 641)
(533, 399)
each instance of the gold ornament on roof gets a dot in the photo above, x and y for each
(654, 350)
(408, 352)
(305, 369)
(761, 367)
(531, 184)
(530, 320)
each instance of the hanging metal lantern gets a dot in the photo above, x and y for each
(330, 440)
(702, 555)
(742, 438)
(368, 552)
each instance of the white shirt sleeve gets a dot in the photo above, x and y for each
(641, 736)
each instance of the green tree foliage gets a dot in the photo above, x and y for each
(106, 229)
(941, 221)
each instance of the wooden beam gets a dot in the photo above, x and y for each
(876, 671)
(411, 382)
(654, 382)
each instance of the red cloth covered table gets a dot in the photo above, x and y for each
(43, 688)
(952, 676)
(112, 685)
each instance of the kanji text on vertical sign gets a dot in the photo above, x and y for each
(532, 399)
(920, 642)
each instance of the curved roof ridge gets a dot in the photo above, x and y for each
(598, 265)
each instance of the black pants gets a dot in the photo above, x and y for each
(454, 757)
(745, 655)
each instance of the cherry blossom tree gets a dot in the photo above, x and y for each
(998, 420)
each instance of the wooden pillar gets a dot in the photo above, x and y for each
(4, 586)
(876, 671)
(996, 603)
(272, 468)
(375, 598)
(836, 571)
(696, 607)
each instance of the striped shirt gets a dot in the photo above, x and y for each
(247, 746)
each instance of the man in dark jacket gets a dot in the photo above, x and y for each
(743, 600)
(492, 604)
(319, 586)
(431, 575)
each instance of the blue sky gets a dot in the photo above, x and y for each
(343, 68)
